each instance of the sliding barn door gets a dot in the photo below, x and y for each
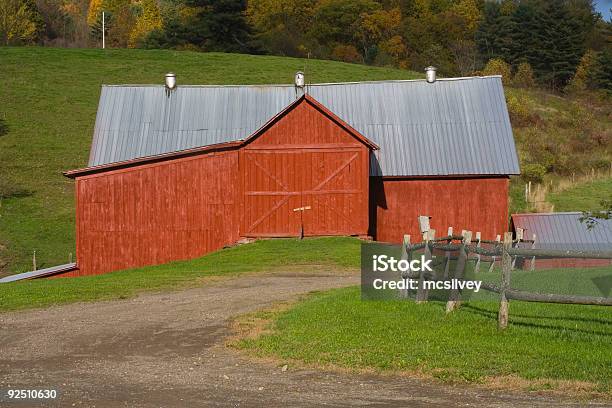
(308, 192)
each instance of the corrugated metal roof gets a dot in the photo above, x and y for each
(450, 127)
(39, 273)
(564, 231)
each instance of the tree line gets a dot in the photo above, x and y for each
(556, 43)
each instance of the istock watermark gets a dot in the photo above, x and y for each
(386, 275)
(383, 263)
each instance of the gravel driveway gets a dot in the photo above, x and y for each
(167, 350)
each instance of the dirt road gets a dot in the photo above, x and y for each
(167, 350)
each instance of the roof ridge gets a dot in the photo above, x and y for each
(384, 81)
(550, 213)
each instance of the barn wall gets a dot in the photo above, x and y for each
(305, 160)
(475, 204)
(156, 213)
(566, 263)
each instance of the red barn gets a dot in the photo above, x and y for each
(177, 173)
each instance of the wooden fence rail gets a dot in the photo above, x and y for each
(508, 255)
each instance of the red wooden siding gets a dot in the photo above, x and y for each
(156, 213)
(566, 263)
(475, 204)
(182, 208)
(305, 174)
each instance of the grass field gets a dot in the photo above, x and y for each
(48, 104)
(563, 347)
(584, 197)
(267, 255)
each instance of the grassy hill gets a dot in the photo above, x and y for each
(583, 197)
(48, 106)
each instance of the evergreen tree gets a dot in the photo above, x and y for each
(603, 75)
(559, 47)
(487, 36)
(221, 26)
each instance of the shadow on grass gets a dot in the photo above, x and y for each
(10, 190)
(492, 315)
(4, 129)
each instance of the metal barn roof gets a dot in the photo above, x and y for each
(564, 231)
(450, 127)
(40, 273)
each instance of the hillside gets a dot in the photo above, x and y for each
(48, 106)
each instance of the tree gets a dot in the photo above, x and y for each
(603, 76)
(121, 25)
(148, 20)
(548, 34)
(524, 76)
(593, 218)
(583, 78)
(94, 12)
(466, 56)
(17, 22)
(346, 53)
(340, 22)
(498, 66)
(282, 25)
(561, 44)
(468, 10)
(220, 25)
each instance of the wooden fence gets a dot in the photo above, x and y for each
(502, 250)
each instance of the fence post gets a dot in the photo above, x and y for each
(453, 298)
(405, 255)
(448, 254)
(493, 258)
(34, 261)
(422, 293)
(502, 318)
(533, 258)
(519, 238)
(477, 266)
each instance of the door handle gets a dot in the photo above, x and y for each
(302, 208)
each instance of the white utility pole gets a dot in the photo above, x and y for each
(103, 33)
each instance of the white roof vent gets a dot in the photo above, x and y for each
(170, 78)
(299, 79)
(430, 74)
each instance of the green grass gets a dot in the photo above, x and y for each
(543, 341)
(264, 255)
(48, 101)
(584, 197)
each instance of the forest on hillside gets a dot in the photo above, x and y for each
(560, 45)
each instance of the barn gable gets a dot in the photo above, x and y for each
(324, 128)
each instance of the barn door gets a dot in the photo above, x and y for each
(333, 192)
(303, 191)
(271, 193)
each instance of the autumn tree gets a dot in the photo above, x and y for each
(524, 76)
(282, 26)
(340, 22)
(149, 19)
(583, 78)
(94, 12)
(498, 66)
(17, 22)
